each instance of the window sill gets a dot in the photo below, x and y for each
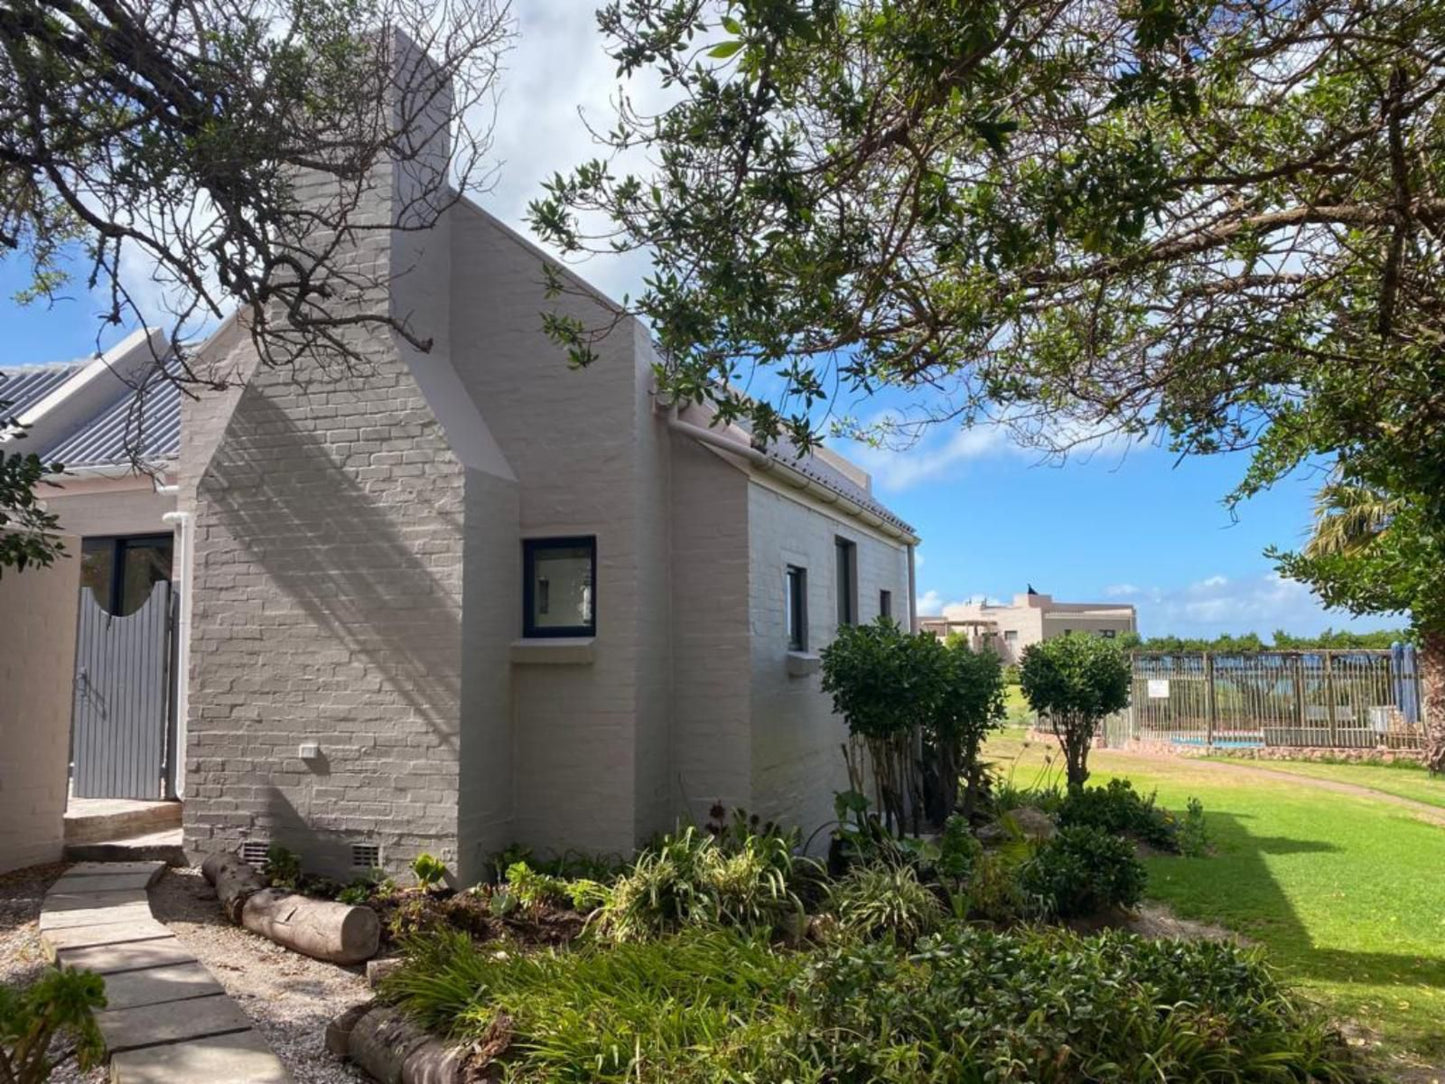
(803, 663)
(553, 651)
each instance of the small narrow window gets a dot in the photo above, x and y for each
(797, 602)
(1107, 634)
(1011, 636)
(847, 582)
(885, 604)
(560, 586)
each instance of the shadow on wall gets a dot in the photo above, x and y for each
(345, 555)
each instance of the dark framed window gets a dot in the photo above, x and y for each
(559, 586)
(797, 603)
(847, 582)
(885, 604)
(122, 572)
(1108, 634)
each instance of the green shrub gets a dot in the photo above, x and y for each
(688, 1008)
(1081, 871)
(1191, 836)
(56, 1008)
(283, 867)
(356, 894)
(1048, 1006)
(1120, 810)
(958, 849)
(688, 879)
(430, 872)
(967, 1005)
(993, 892)
(534, 890)
(884, 901)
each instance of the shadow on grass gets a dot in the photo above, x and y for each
(1237, 886)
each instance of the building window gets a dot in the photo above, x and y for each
(559, 586)
(885, 604)
(847, 582)
(1010, 636)
(122, 572)
(797, 581)
(1107, 634)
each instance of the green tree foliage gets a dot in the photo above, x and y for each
(1213, 221)
(1280, 640)
(58, 1007)
(1373, 551)
(1074, 682)
(901, 693)
(28, 533)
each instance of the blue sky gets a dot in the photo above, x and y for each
(1130, 526)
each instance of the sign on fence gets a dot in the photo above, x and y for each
(1158, 688)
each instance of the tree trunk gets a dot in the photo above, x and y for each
(335, 932)
(234, 881)
(1432, 697)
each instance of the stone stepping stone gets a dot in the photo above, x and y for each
(106, 869)
(103, 882)
(94, 916)
(75, 901)
(112, 933)
(167, 1019)
(159, 986)
(178, 1021)
(134, 956)
(239, 1058)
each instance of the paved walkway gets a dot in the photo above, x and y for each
(167, 1021)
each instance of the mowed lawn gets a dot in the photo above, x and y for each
(1404, 781)
(1346, 893)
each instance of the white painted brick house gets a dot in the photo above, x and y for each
(497, 600)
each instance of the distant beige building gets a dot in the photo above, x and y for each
(1029, 618)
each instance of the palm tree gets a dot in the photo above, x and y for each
(1348, 517)
(1351, 519)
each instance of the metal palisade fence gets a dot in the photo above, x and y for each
(1344, 699)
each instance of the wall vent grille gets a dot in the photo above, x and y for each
(253, 852)
(365, 855)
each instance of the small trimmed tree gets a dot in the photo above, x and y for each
(1074, 682)
(886, 685)
(971, 704)
(37, 1021)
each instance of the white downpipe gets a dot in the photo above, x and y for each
(182, 520)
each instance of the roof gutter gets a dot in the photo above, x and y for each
(795, 478)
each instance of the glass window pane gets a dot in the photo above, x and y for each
(562, 586)
(143, 565)
(97, 565)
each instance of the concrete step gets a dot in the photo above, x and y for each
(95, 820)
(164, 846)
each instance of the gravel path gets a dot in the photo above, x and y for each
(289, 997)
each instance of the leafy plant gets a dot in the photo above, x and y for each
(1119, 809)
(884, 901)
(357, 893)
(533, 890)
(1191, 836)
(958, 849)
(283, 867)
(1082, 871)
(1074, 682)
(58, 1006)
(689, 880)
(430, 872)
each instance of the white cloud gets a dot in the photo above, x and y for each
(1120, 590)
(1218, 604)
(934, 604)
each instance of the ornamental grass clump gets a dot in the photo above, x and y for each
(690, 879)
(882, 901)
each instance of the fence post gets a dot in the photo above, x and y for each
(1330, 696)
(1209, 709)
(1299, 698)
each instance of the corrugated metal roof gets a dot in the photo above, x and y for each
(825, 473)
(145, 425)
(24, 386)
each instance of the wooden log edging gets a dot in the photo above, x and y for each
(337, 933)
(394, 1050)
